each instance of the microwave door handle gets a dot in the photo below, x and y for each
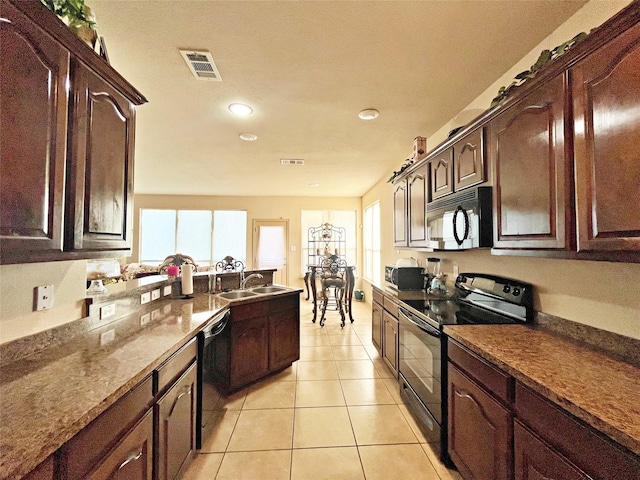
(466, 225)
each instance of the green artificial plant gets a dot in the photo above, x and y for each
(546, 56)
(74, 13)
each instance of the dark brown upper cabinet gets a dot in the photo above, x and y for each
(441, 174)
(532, 172)
(400, 210)
(606, 106)
(68, 120)
(469, 161)
(100, 207)
(33, 139)
(417, 184)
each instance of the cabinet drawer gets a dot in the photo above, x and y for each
(534, 459)
(173, 367)
(489, 377)
(391, 306)
(250, 310)
(132, 458)
(377, 295)
(84, 451)
(583, 446)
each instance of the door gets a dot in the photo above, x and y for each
(400, 214)
(417, 203)
(270, 245)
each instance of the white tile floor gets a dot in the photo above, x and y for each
(334, 414)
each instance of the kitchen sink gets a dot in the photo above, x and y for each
(236, 294)
(269, 289)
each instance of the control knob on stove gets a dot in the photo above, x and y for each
(506, 289)
(516, 291)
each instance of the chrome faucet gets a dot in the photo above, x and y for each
(244, 280)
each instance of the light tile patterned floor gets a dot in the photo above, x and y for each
(334, 414)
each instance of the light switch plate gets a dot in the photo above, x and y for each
(155, 294)
(44, 297)
(167, 290)
(145, 298)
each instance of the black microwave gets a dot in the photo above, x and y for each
(461, 221)
(404, 278)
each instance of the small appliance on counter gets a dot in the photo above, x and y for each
(404, 275)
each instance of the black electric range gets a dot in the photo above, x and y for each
(478, 299)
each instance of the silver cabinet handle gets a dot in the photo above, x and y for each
(132, 458)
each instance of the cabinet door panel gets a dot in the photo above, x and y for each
(468, 161)
(442, 174)
(417, 203)
(132, 459)
(532, 193)
(176, 435)
(400, 214)
(33, 139)
(606, 101)
(534, 460)
(390, 340)
(480, 431)
(102, 157)
(250, 351)
(376, 325)
(284, 338)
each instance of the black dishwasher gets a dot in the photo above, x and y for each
(209, 401)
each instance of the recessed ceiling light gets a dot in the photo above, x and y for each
(240, 109)
(314, 184)
(249, 137)
(368, 114)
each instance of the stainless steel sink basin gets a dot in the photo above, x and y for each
(236, 294)
(269, 289)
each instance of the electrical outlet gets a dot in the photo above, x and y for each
(167, 290)
(107, 311)
(107, 337)
(155, 294)
(145, 298)
(144, 319)
(155, 315)
(44, 297)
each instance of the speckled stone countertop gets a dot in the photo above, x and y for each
(48, 397)
(589, 384)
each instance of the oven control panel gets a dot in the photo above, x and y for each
(513, 291)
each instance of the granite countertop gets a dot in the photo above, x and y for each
(591, 385)
(48, 397)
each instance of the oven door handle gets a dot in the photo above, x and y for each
(434, 332)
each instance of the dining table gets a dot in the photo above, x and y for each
(310, 281)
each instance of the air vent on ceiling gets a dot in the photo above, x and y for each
(291, 161)
(201, 65)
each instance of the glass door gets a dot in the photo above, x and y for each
(270, 246)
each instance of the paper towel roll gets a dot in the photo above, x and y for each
(187, 279)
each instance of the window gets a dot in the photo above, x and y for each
(206, 236)
(339, 218)
(371, 241)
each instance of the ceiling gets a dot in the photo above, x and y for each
(307, 68)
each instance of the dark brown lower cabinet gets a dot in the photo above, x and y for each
(535, 460)
(132, 458)
(284, 331)
(480, 430)
(176, 430)
(249, 351)
(390, 340)
(376, 325)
